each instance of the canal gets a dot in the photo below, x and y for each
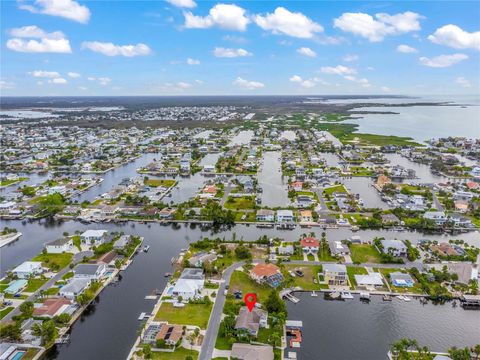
(338, 330)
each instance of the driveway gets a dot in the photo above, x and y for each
(58, 276)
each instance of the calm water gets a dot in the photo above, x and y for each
(109, 330)
(422, 122)
(338, 330)
(271, 181)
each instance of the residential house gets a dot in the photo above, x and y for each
(53, 307)
(28, 269)
(267, 273)
(335, 274)
(264, 215)
(306, 216)
(309, 245)
(394, 247)
(75, 287)
(370, 280)
(123, 241)
(190, 284)
(338, 248)
(438, 217)
(285, 216)
(169, 333)
(92, 272)
(59, 246)
(198, 259)
(400, 279)
(285, 250)
(251, 321)
(94, 237)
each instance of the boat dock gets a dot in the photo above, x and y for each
(9, 238)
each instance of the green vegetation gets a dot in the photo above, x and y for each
(364, 253)
(4, 312)
(180, 353)
(240, 203)
(306, 282)
(191, 314)
(242, 281)
(159, 182)
(34, 284)
(54, 262)
(352, 271)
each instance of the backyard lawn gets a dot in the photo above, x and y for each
(34, 284)
(335, 189)
(240, 203)
(310, 272)
(191, 314)
(352, 271)
(241, 281)
(364, 253)
(54, 261)
(179, 354)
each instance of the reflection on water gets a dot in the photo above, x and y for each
(341, 330)
(271, 181)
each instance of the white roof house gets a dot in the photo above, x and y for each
(190, 283)
(28, 268)
(97, 236)
(74, 288)
(372, 279)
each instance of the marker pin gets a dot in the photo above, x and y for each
(250, 300)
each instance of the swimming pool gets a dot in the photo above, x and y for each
(18, 355)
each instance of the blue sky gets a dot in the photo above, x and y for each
(175, 47)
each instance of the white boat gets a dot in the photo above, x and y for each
(400, 297)
(346, 295)
(406, 298)
(142, 316)
(365, 296)
(146, 248)
(314, 294)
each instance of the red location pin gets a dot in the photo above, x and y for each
(250, 300)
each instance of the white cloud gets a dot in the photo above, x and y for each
(183, 3)
(45, 74)
(385, 89)
(443, 60)
(455, 37)
(183, 85)
(91, 78)
(24, 40)
(230, 53)
(406, 49)
(250, 85)
(191, 61)
(305, 51)
(294, 24)
(375, 29)
(83, 88)
(58, 81)
(225, 16)
(350, 57)
(6, 84)
(104, 80)
(110, 49)
(463, 82)
(74, 75)
(68, 9)
(235, 39)
(307, 83)
(364, 82)
(338, 70)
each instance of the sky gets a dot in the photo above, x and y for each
(191, 47)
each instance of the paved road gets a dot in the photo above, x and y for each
(76, 259)
(210, 338)
(436, 202)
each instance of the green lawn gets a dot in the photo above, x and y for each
(241, 281)
(11, 182)
(179, 354)
(417, 287)
(310, 272)
(364, 253)
(352, 271)
(30, 354)
(249, 216)
(335, 189)
(54, 261)
(5, 311)
(34, 284)
(240, 203)
(191, 314)
(160, 182)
